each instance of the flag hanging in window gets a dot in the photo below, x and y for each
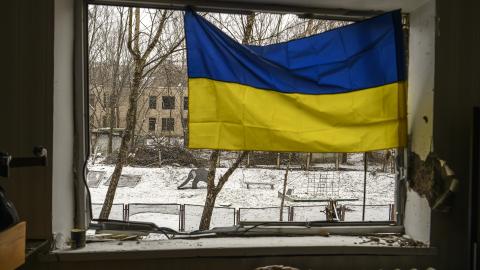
(338, 91)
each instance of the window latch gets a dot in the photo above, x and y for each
(7, 161)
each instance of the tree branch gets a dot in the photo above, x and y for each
(230, 170)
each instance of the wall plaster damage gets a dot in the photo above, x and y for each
(421, 50)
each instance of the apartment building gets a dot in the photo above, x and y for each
(161, 111)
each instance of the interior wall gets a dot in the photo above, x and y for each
(457, 90)
(420, 109)
(63, 207)
(26, 107)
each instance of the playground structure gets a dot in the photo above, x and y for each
(195, 176)
(316, 186)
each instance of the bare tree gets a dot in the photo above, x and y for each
(142, 42)
(117, 81)
(285, 179)
(212, 190)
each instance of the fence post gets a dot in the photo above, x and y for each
(238, 216)
(234, 216)
(341, 213)
(392, 212)
(126, 212)
(337, 161)
(309, 159)
(181, 218)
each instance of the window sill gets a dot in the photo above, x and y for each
(235, 247)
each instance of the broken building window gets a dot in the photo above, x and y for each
(168, 102)
(168, 124)
(152, 123)
(152, 102)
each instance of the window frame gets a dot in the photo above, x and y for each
(150, 121)
(169, 122)
(185, 103)
(82, 92)
(168, 101)
(152, 102)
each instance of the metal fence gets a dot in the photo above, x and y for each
(186, 217)
(263, 214)
(163, 215)
(221, 217)
(117, 211)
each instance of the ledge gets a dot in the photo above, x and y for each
(235, 247)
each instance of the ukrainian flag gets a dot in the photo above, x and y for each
(338, 91)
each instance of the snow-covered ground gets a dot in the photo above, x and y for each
(159, 186)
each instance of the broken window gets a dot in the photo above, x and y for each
(168, 124)
(185, 103)
(152, 102)
(315, 187)
(152, 123)
(168, 102)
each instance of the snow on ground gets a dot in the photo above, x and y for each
(159, 185)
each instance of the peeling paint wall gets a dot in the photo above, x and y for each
(420, 109)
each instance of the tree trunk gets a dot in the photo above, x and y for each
(248, 31)
(285, 186)
(208, 209)
(111, 124)
(211, 196)
(212, 190)
(126, 139)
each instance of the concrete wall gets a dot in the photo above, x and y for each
(420, 107)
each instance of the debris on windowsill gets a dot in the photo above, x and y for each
(107, 237)
(391, 241)
(276, 267)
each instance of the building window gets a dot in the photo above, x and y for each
(168, 124)
(152, 102)
(185, 103)
(105, 121)
(168, 102)
(152, 122)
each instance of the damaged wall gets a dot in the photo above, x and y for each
(420, 109)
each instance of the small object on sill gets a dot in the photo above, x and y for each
(276, 267)
(108, 237)
(78, 238)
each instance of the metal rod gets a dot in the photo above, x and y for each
(364, 184)
(246, 8)
(316, 223)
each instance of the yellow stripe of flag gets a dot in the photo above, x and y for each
(232, 116)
